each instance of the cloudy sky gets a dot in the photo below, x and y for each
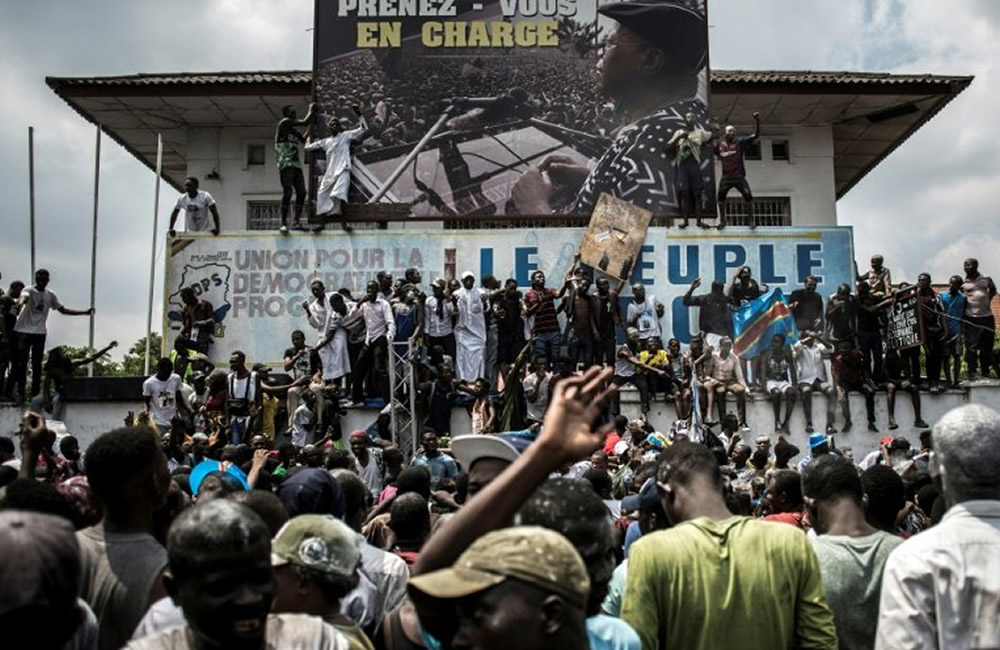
(922, 208)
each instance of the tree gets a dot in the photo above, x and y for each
(134, 364)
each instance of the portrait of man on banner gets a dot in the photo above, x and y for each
(488, 113)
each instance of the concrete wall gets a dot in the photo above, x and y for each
(224, 149)
(807, 177)
(87, 420)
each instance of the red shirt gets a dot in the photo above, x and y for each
(190, 314)
(731, 155)
(545, 315)
(410, 557)
(610, 442)
(793, 518)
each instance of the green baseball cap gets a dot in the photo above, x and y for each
(317, 542)
(531, 554)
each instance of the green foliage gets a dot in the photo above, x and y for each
(134, 363)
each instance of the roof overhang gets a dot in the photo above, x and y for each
(871, 114)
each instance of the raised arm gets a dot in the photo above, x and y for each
(307, 120)
(360, 132)
(95, 356)
(567, 436)
(66, 311)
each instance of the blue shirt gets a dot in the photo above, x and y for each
(954, 307)
(406, 323)
(609, 633)
(440, 467)
(632, 533)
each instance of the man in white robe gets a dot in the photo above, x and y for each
(317, 310)
(470, 333)
(332, 192)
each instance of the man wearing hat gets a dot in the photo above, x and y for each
(650, 68)
(493, 566)
(39, 590)
(498, 594)
(316, 560)
(470, 332)
(221, 575)
(484, 457)
(819, 444)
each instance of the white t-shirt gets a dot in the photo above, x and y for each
(536, 409)
(373, 474)
(303, 423)
(35, 312)
(196, 211)
(645, 317)
(163, 394)
(809, 362)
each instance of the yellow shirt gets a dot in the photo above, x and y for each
(658, 359)
(268, 409)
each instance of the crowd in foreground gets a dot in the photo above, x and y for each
(572, 536)
(233, 511)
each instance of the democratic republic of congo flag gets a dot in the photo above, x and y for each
(756, 323)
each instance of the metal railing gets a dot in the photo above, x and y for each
(263, 215)
(403, 405)
(768, 210)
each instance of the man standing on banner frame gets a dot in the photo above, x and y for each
(650, 68)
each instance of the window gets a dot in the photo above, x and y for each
(263, 215)
(779, 150)
(768, 210)
(568, 221)
(256, 154)
(752, 150)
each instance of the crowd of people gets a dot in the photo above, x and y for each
(404, 98)
(499, 351)
(568, 535)
(222, 515)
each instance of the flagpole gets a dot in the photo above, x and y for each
(152, 256)
(31, 193)
(93, 247)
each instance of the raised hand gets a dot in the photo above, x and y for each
(35, 436)
(567, 430)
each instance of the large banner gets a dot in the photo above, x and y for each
(258, 282)
(538, 105)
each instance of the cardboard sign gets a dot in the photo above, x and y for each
(904, 328)
(615, 236)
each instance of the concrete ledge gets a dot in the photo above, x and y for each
(89, 419)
